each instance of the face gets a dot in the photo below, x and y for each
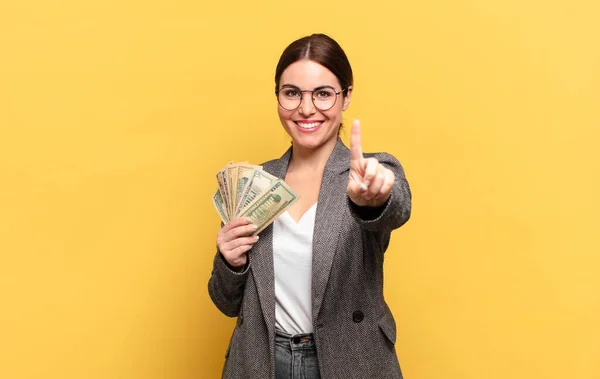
(310, 127)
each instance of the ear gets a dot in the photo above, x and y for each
(347, 99)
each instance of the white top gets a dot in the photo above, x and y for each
(292, 259)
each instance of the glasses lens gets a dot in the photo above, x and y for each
(289, 98)
(324, 98)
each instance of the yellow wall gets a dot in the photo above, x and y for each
(115, 115)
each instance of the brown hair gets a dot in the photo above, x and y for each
(319, 48)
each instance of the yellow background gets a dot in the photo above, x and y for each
(115, 116)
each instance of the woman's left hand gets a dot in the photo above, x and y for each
(370, 183)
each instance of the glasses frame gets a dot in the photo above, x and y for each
(312, 96)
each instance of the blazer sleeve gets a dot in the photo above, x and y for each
(226, 286)
(396, 211)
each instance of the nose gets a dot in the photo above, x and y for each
(307, 107)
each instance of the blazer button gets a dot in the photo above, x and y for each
(357, 316)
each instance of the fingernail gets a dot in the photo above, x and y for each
(363, 186)
(254, 227)
(248, 220)
(256, 238)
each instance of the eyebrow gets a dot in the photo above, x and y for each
(316, 88)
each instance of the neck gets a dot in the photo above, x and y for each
(311, 159)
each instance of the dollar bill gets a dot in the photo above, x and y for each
(231, 171)
(269, 205)
(245, 172)
(220, 206)
(223, 188)
(245, 190)
(260, 182)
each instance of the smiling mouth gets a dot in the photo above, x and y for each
(308, 125)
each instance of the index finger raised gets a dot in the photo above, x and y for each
(355, 142)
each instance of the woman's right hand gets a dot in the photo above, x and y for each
(234, 240)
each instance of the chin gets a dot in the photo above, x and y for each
(312, 142)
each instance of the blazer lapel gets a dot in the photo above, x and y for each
(328, 221)
(261, 259)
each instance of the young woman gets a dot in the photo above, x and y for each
(308, 295)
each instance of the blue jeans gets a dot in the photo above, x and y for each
(295, 356)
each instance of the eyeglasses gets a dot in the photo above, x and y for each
(290, 97)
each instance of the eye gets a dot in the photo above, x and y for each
(324, 93)
(291, 92)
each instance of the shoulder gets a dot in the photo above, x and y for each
(270, 163)
(271, 166)
(279, 165)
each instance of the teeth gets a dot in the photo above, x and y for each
(308, 125)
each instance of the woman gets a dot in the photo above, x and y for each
(308, 295)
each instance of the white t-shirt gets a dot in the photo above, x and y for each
(292, 259)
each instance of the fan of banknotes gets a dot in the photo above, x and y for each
(246, 190)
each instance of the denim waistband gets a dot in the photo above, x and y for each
(295, 341)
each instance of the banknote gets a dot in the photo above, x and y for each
(231, 186)
(220, 206)
(259, 183)
(245, 172)
(269, 205)
(223, 188)
(245, 189)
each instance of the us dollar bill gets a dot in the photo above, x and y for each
(220, 206)
(245, 173)
(224, 189)
(260, 182)
(269, 205)
(231, 171)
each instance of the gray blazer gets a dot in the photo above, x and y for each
(354, 330)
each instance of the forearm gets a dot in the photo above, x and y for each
(226, 286)
(396, 211)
